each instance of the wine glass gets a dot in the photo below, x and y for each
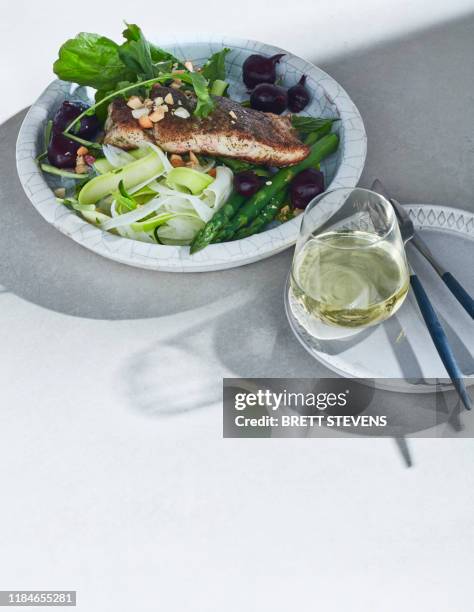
(349, 268)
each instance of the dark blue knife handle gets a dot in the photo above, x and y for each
(459, 293)
(440, 339)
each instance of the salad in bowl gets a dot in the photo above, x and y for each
(177, 159)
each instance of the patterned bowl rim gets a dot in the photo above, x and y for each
(175, 258)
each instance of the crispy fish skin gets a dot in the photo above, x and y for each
(230, 131)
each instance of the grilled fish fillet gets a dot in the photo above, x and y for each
(230, 131)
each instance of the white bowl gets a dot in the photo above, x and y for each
(343, 169)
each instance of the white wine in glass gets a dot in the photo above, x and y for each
(353, 273)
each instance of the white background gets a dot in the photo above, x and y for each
(144, 513)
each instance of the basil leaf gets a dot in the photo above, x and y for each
(92, 60)
(214, 68)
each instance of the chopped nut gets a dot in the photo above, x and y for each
(139, 112)
(179, 103)
(213, 172)
(169, 99)
(158, 101)
(176, 84)
(232, 114)
(82, 151)
(193, 161)
(134, 102)
(297, 211)
(189, 66)
(159, 113)
(145, 122)
(182, 112)
(176, 161)
(148, 103)
(81, 166)
(60, 192)
(232, 121)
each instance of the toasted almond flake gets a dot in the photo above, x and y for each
(148, 103)
(169, 99)
(134, 102)
(176, 161)
(176, 84)
(232, 114)
(145, 122)
(158, 101)
(82, 151)
(60, 192)
(232, 121)
(182, 113)
(139, 112)
(189, 66)
(179, 103)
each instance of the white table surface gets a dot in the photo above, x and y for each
(138, 511)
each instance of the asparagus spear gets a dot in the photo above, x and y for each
(213, 227)
(267, 214)
(251, 209)
(211, 230)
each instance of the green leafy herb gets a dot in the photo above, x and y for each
(205, 105)
(143, 58)
(112, 69)
(219, 88)
(135, 53)
(92, 60)
(310, 124)
(214, 68)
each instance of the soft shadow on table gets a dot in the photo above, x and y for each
(415, 96)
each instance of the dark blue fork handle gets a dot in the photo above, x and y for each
(440, 340)
(459, 293)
